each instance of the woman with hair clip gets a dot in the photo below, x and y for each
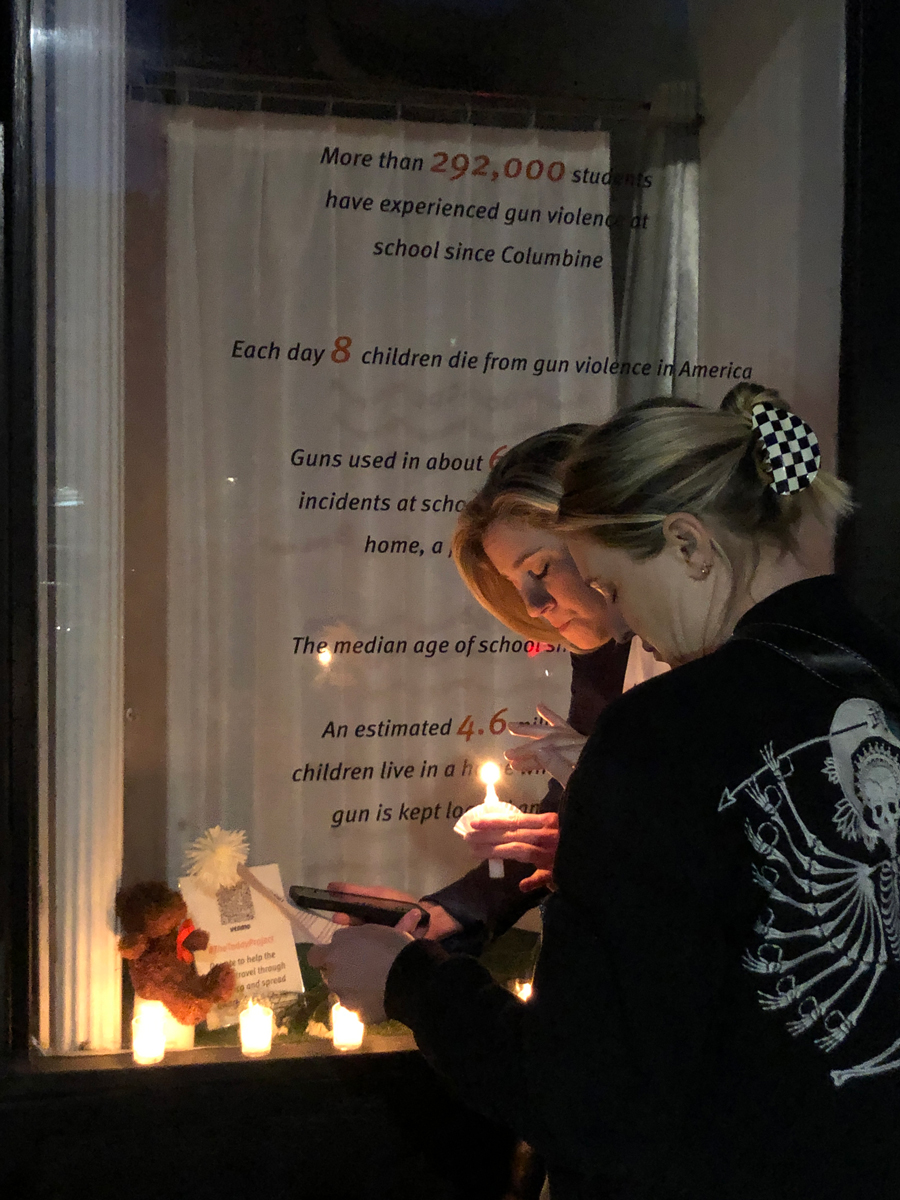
(716, 1008)
(520, 570)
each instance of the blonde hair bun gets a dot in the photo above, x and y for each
(741, 401)
(743, 398)
(667, 456)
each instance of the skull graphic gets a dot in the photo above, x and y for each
(876, 768)
(865, 764)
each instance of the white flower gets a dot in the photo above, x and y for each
(213, 859)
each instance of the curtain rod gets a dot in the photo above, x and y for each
(317, 97)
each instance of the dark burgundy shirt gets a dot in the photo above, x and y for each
(487, 907)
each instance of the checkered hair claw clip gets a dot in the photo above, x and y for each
(789, 446)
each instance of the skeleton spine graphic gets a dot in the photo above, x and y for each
(830, 935)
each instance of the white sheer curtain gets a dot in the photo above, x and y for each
(660, 309)
(79, 88)
(260, 252)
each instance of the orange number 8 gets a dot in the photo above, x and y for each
(341, 351)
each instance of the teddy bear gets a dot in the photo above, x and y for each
(158, 941)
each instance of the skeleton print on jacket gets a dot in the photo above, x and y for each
(829, 939)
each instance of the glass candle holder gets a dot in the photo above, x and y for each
(177, 1036)
(256, 1030)
(148, 1033)
(346, 1028)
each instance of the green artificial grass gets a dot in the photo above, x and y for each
(509, 958)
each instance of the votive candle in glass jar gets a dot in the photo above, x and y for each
(256, 1030)
(148, 1033)
(346, 1028)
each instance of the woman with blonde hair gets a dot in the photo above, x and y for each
(716, 1008)
(520, 570)
(517, 566)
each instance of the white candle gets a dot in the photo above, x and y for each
(148, 1032)
(177, 1036)
(346, 1028)
(256, 1030)
(491, 806)
(489, 774)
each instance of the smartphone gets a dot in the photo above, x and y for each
(371, 909)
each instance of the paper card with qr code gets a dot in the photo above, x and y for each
(248, 931)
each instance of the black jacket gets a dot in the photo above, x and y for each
(716, 1011)
(487, 907)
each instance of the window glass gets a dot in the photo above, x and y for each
(294, 304)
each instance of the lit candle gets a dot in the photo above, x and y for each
(491, 806)
(346, 1028)
(489, 774)
(148, 1033)
(325, 656)
(522, 988)
(256, 1030)
(176, 1035)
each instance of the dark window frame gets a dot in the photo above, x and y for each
(18, 549)
(869, 410)
(869, 430)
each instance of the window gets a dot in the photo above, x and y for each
(285, 326)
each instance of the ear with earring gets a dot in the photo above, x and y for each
(692, 540)
(704, 570)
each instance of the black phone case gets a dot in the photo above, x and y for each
(363, 911)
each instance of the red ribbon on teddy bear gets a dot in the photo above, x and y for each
(185, 929)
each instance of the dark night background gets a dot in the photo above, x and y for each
(603, 48)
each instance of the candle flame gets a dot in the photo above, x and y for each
(347, 1028)
(324, 656)
(489, 773)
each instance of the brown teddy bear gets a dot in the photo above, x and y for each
(159, 941)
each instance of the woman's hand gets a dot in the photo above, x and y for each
(440, 923)
(556, 751)
(529, 838)
(358, 960)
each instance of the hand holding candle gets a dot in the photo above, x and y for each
(491, 806)
(528, 837)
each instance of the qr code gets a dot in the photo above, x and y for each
(235, 904)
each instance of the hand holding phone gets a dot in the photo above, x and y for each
(440, 924)
(372, 909)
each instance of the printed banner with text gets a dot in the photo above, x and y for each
(362, 316)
